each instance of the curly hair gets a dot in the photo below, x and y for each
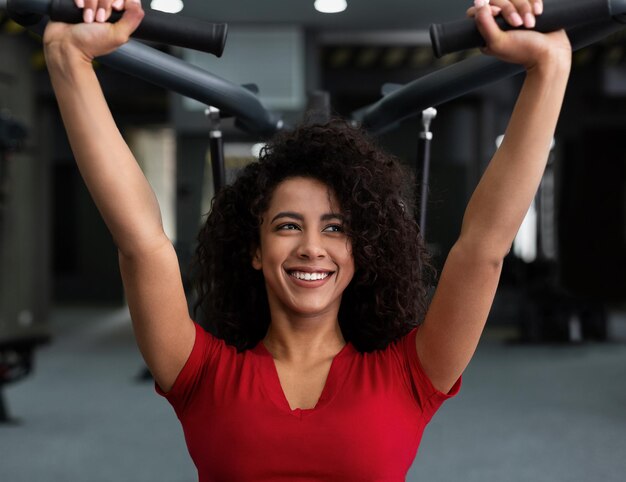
(388, 293)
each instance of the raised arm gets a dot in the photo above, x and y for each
(150, 272)
(456, 317)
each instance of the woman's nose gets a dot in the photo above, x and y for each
(311, 246)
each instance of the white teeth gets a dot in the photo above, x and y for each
(309, 276)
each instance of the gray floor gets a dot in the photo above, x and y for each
(525, 413)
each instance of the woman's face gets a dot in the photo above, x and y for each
(304, 253)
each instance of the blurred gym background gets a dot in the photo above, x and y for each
(543, 400)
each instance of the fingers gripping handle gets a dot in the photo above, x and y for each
(159, 27)
(463, 34)
(155, 26)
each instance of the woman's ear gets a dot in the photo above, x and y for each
(256, 258)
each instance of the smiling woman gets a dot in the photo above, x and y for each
(321, 361)
(317, 193)
(304, 253)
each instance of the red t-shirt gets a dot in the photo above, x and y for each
(366, 426)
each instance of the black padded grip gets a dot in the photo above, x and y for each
(159, 27)
(557, 14)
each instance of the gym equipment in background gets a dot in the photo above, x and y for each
(461, 78)
(423, 164)
(18, 337)
(216, 147)
(557, 14)
(589, 22)
(156, 26)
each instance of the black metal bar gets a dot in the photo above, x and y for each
(177, 75)
(423, 165)
(461, 78)
(171, 73)
(216, 146)
(156, 26)
(557, 14)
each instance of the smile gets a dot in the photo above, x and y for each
(301, 275)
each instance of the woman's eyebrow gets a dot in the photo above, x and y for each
(300, 217)
(329, 216)
(288, 214)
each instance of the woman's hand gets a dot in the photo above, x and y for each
(95, 36)
(521, 46)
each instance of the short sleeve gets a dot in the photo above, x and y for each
(205, 349)
(427, 396)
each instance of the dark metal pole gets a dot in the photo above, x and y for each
(458, 79)
(216, 146)
(423, 164)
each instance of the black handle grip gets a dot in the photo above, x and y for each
(156, 26)
(463, 34)
(159, 27)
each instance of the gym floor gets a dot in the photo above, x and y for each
(525, 413)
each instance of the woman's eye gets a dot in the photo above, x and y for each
(334, 228)
(288, 227)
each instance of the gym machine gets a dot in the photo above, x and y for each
(18, 337)
(587, 21)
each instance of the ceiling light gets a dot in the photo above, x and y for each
(330, 6)
(167, 6)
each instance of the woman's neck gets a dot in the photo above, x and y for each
(299, 338)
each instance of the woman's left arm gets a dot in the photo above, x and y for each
(458, 312)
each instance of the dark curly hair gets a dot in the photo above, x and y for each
(388, 293)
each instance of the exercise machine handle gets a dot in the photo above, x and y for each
(557, 14)
(156, 26)
(462, 77)
(174, 74)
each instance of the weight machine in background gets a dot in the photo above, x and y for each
(19, 335)
(587, 22)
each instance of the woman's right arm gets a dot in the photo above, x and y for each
(150, 272)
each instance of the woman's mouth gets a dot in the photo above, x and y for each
(307, 276)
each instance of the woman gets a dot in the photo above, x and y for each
(311, 272)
